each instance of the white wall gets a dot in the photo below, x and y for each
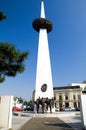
(83, 110)
(6, 103)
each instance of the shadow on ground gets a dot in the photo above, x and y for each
(46, 124)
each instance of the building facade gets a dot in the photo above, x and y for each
(68, 96)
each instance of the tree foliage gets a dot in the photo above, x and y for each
(84, 82)
(30, 103)
(2, 16)
(11, 61)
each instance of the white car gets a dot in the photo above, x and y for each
(69, 109)
(56, 108)
(73, 108)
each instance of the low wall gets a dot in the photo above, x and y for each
(83, 110)
(6, 103)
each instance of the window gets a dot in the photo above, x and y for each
(75, 104)
(78, 97)
(66, 97)
(66, 104)
(78, 104)
(74, 97)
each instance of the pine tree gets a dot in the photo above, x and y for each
(2, 16)
(11, 61)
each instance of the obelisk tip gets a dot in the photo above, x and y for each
(42, 9)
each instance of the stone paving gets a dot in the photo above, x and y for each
(19, 121)
(55, 120)
(46, 124)
(73, 121)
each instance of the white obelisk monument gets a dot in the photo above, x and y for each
(44, 83)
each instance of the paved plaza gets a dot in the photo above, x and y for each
(46, 124)
(60, 120)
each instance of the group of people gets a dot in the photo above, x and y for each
(45, 104)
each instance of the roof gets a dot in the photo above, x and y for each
(66, 87)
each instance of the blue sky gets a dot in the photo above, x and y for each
(67, 41)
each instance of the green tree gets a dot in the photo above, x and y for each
(84, 82)
(11, 61)
(30, 103)
(20, 100)
(2, 16)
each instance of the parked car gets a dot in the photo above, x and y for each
(73, 108)
(56, 108)
(78, 109)
(17, 109)
(28, 109)
(69, 109)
